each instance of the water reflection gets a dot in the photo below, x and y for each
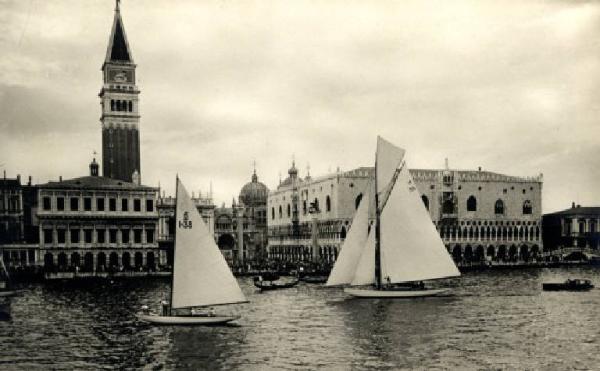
(494, 319)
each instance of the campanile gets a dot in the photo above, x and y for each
(119, 99)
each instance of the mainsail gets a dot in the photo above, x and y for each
(352, 249)
(411, 248)
(201, 275)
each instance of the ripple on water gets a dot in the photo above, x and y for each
(492, 320)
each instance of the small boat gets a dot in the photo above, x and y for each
(392, 257)
(265, 284)
(314, 279)
(569, 285)
(5, 283)
(201, 277)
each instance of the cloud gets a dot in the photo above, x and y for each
(511, 87)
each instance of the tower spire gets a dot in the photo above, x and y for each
(117, 3)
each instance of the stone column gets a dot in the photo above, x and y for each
(240, 237)
(315, 240)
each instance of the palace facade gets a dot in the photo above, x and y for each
(480, 215)
(95, 224)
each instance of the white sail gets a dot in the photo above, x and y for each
(411, 248)
(365, 270)
(352, 248)
(201, 275)
(388, 159)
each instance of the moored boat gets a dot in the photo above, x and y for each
(391, 257)
(265, 284)
(6, 289)
(569, 285)
(201, 277)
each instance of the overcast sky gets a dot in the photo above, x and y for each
(511, 86)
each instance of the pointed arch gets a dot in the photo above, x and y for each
(499, 207)
(425, 201)
(357, 201)
(472, 203)
(527, 208)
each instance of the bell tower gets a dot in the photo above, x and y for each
(119, 101)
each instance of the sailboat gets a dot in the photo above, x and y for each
(5, 284)
(392, 257)
(201, 276)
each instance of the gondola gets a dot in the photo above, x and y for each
(266, 285)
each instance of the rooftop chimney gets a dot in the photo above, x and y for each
(479, 168)
(60, 178)
(29, 181)
(19, 178)
(572, 205)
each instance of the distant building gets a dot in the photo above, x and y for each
(120, 115)
(576, 228)
(241, 230)
(12, 228)
(481, 215)
(308, 218)
(97, 224)
(18, 230)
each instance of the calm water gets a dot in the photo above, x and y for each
(497, 319)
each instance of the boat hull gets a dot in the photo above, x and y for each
(274, 285)
(393, 294)
(186, 320)
(8, 293)
(565, 287)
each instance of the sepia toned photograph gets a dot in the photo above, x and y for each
(299, 185)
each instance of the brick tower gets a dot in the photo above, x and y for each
(119, 100)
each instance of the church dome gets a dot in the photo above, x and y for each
(254, 193)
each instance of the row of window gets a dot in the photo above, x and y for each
(306, 208)
(12, 204)
(448, 206)
(74, 204)
(75, 236)
(568, 227)
(121, 105)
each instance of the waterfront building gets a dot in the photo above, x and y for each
(18, 233)
(241, 230)
(119, 99)
(308, 218)
(96, 224)
(166, 224)
(575, 231)
(12, 227)
(481, 216)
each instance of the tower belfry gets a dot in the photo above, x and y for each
(119, 100)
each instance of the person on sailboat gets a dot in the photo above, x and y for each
(164, 307)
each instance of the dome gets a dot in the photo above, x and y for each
(254, 193)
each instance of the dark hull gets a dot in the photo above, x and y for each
(566, 287)
(314, 279)
(274, 285)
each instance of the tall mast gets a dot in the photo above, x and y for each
(377, 234)
(174, 240)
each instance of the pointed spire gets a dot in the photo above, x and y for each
(118, 47)
(254, 176)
